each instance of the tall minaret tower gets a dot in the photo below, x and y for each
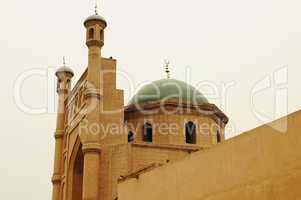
(64, 75)
(91, 145)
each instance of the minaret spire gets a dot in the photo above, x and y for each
(96, 8)
(167, 71)
(64, 61)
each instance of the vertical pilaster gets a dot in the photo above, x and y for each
(91, 171)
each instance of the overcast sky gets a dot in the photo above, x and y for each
(233, 43)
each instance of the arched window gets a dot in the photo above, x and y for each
(218, 137)
(101, 35)
(130, 137)
(91, 33)
(147, 132)
(68, 85)
(190, 133)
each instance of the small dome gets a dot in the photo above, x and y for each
(95, 17)
(64, 69)
(168, 89)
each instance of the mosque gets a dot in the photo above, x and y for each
(168, 142)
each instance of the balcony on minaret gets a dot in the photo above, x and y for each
(95, 25)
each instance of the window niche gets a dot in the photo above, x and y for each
(91, 33)
(190, 133)
(147, 131)
(131, 137)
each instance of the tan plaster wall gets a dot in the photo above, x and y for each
(114, 163)
(113, 115)
(260, 164)
(144, 155)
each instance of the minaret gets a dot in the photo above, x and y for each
(64, 75)
(95, 26)
(91, 146)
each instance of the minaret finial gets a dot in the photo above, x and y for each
(64, 61)
(96, 8)
(167, 71)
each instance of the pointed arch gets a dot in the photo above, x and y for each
(75, 168)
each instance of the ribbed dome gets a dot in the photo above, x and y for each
(168, 89)
(95, 17)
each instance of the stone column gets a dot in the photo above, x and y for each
(91, 171)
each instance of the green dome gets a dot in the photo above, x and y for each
(168, 89)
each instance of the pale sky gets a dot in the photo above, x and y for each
(235, 42)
